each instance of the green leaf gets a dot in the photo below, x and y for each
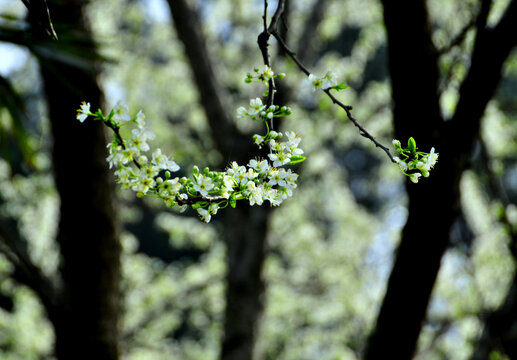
(411, 145)
(341, 86)
(233, 203)
(297, 159)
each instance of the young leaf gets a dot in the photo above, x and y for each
(341, 86)
(411, 145)
(297, 159)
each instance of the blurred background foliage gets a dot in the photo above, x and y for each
(330, 246)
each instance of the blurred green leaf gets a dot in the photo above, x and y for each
(341, 86)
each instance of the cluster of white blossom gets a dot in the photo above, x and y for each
(262, 74)
(150, 173)
(414, 164)
(257, 111)
(325, 82)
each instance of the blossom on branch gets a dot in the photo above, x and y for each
(414, 164)
(149, 172)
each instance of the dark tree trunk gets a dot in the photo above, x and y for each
(433, 203)
(246, 251)
(86, 326)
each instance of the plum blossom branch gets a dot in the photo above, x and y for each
(207, 191)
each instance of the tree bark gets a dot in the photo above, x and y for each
(433, 203)
(86, 326)
(246, 251)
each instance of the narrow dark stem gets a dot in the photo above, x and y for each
(264, 17)
(348, 109)
(262, 41)
(193, 200)
(276, 16)
(116, 132)
(362, 131)
(291, 53)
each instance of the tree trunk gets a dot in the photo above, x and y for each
(433, 203)
(86, 327)
(246, 251)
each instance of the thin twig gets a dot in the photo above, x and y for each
(263, 42)
(116, 132)
(348, 109)
(362, 131)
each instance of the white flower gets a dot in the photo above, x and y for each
(169, 187)
(140, 119)
(276, 177)
(228, 182)
(175, 186)
(267, 72)
(315, 82)
(142, 160)
(424, 169)
(325, 82)
(124, 177)
(275, 134)
(163, 161)
(273, 196)
(121, 113)
(329, 80)
(140, 137)
(127, 156)
(83, 112)
(253, 164)
(414, 177)
(242, 112)
(256, 107)
(262, 167)
(224, 192)
(150, 171)
(255, 193)
(212, 209)
(292, 143)
(251, 174)
(279, 159)
(203, 185)
(115, 155)
(204, 214)
(291, 178)
(143, 184)
(238, 173)
(277, 146)
(402, 164)
(432, 158)
(258, 140)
